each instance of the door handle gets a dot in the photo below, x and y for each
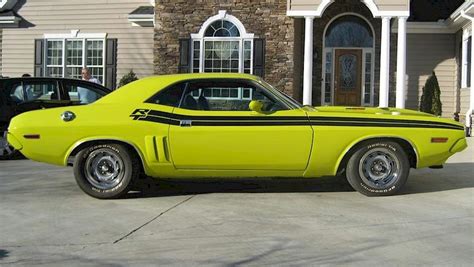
(185, 123)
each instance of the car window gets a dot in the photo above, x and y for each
(82, 93)
(227, 96)
(34, 90)
(170, 96)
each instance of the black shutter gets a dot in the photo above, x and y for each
(39, 58)
(184, 56)
(259, 57)
(111, 64)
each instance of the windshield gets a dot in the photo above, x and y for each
(283, 96)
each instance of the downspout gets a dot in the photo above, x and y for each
(471, 99)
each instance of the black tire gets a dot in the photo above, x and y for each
(106, 171)
(7, 152)
(378, 168)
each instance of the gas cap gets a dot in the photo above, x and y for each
(68, 116)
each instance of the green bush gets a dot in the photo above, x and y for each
(128, 78)
(431, 97)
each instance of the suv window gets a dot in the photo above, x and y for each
(82, 93)
(227, 96)
(34, 90)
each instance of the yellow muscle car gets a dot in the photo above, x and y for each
(230, 125)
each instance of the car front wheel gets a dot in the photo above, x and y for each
(105, 171)
(378, 168)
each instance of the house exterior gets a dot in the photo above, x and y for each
(59, 37)
(322, 52)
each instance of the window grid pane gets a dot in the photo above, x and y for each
(328, 78)
(95, 58)
(221, 56)
(247, 57)
(56, 72)
(74, 56)
(95, 53)
(368, 77)
(98, 73)
(55, 53)
(196, 56)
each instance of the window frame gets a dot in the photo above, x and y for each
(64, 66)
(466, 61)
(257, 84)
(199, 39)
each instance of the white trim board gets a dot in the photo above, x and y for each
(75, 34)
(326, 3)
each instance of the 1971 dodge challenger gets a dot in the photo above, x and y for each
(230, 125)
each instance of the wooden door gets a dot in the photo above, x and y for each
(348, 76)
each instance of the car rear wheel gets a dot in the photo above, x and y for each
(378, 168)
(106, 171)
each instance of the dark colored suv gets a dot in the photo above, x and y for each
(18, 95)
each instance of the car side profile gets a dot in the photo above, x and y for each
(19, 95)
(230, 125)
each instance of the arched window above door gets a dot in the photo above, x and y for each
(222, 28)
(349, 31)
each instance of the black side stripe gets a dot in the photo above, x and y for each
(174, 119)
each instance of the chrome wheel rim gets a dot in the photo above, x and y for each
(104, 169)
(379, 168)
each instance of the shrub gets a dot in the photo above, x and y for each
(128, 78)
(431, 97)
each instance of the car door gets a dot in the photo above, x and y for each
(217, 130)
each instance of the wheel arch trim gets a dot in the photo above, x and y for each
(102, 139)
(366, 138)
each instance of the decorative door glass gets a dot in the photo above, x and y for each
(348, 68)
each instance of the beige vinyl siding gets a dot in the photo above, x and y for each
(465, 94)
(135, 44)
(303, 5)
(393, 5)
(425, 53)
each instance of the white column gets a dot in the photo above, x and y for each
(308, 62)
(401, 61)
(384, 63)
(469, 117)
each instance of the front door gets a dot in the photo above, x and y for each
(218, 131)
(348, 75)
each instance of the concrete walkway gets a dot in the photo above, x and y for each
(46, 220)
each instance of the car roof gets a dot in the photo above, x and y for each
(142, 89)
(13, 79)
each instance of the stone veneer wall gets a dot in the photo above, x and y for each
(266, 19)
(320, 24)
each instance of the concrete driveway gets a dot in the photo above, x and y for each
(46, 220)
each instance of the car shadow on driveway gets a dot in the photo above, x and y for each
(150, 187)
(453, 176)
